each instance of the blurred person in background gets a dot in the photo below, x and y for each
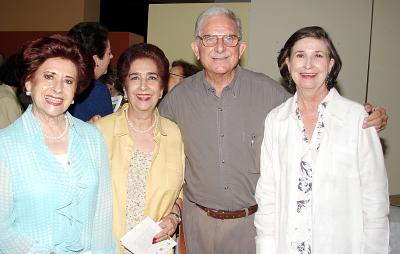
(180, 69)
(111, 81)
(2, 58)
(10, 107)
(96, 100)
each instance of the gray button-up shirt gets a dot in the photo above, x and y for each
(222, 135)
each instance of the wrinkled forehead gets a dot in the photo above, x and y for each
(218, 24)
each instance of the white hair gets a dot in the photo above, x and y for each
(216, 11)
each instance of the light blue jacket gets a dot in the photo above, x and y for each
(45, 208)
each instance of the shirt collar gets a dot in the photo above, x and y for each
(292, 107)
(232, 86)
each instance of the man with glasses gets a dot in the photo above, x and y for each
(221, 112)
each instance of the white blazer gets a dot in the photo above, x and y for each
(350, 203)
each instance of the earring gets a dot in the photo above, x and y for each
(72, 102)
(28, 93)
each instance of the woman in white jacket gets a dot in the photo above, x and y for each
(323, 185)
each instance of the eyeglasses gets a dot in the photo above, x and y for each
(178, 75)
(212, 40)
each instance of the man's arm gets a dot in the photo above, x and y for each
(166, 108)
(377, 117)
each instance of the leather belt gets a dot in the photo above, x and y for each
(224, 215)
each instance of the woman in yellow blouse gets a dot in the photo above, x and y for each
(145, 149)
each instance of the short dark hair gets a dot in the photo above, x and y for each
(188, 68)
(91, 37)
(36, 52)
(139, 51)
(310, 32)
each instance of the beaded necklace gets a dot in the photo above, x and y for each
(130, 124)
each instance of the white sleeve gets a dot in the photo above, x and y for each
(265, 195)
(374, 188)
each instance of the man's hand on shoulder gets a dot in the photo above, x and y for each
(377, 118)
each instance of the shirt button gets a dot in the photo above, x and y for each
(221, 135)
(226, 187)
(223, 161)
(219, 109)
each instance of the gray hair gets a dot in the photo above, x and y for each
(216, 11)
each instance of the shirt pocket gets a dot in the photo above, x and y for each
(344, 161)
(252, 143)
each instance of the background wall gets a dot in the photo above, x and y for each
(347, 22)
(46, 15)
(171, 27)
(384, 85)
(24, 20)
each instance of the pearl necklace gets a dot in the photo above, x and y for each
(61, 135)
(130, 124)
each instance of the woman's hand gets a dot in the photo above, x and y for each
(168, 225)
(377, 118)
(170, 222)
(94, 119)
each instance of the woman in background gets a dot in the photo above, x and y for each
(55, 187)
(96, 100)
(323, 185)
(10, 107)
(145, 149)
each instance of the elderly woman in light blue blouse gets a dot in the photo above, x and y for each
(55, 189)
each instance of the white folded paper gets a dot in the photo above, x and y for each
(139, 239)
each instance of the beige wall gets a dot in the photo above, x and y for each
(348, 23)
(46, 15)
(384, 87)
(171, 27)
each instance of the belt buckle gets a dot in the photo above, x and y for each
(246, 210)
